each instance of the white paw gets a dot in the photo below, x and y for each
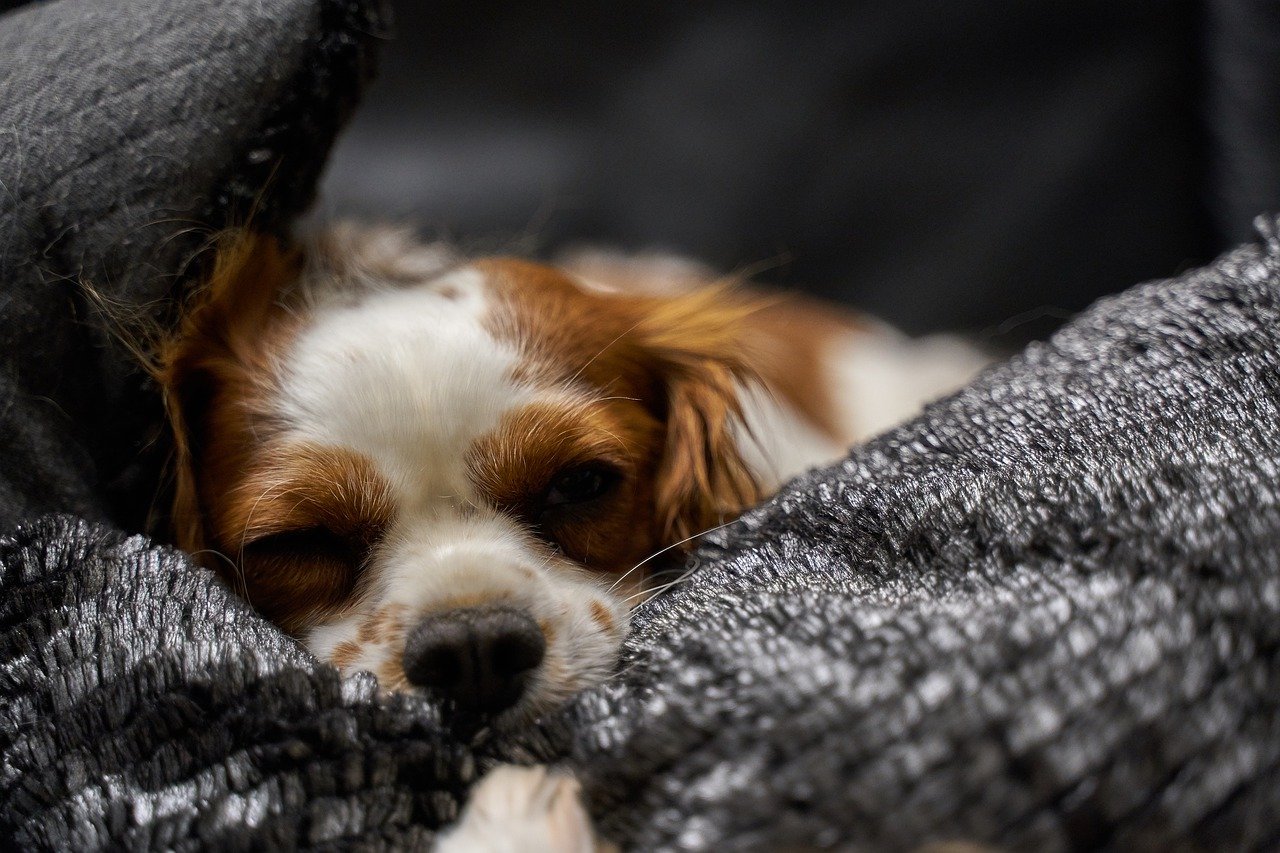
(521, 809)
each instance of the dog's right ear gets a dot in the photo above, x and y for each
(696, 343)
(211, 363)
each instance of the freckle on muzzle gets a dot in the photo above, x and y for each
(477, 658)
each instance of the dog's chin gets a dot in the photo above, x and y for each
(525, 713)
(469, 724)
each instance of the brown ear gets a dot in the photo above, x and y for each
(211, 358)
(696, 341)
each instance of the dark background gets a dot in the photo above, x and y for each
(988, 166)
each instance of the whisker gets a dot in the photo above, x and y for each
(236, 570)
(656, 591)
(622, 577)
(602, 351)
(662, 551)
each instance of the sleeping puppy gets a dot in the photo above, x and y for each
(454, 473)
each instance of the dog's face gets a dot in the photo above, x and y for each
(441, 472)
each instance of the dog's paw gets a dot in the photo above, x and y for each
(522, 809)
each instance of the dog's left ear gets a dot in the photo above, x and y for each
(208, 360)
(696, 342)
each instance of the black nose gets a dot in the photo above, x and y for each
(480, 658)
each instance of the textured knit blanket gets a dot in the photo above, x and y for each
(1044, 615)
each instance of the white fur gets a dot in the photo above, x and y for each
(879, 379)
(883, 378)
(777, 443)
(406, 377)
(522, 810)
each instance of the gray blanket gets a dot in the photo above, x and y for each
(1045, 615)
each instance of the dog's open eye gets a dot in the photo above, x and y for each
(580, 484)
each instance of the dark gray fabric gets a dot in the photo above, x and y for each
(146, 707)
(128, 132)
(993, 165)
(1046, 614)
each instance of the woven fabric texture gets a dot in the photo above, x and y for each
(1044, 615)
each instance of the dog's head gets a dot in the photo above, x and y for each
(445, 472)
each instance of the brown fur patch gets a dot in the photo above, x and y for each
(300, 523)
(676, 359)
(790, 336)
(217, 371)
(517, 463)
(600, 615)
(703, 480)
(383, 625)
(294, 486)
(793, 339)
(345, 654)
(391, 675)
(287, 525)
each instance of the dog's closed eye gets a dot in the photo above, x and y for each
(317, 543)
(303, 570)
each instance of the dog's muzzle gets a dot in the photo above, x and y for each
(477, 658)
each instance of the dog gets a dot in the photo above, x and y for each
(456, 473)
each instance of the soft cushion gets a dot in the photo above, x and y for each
(130, 131)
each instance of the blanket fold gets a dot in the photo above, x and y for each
(129, 133)
(1044, 615)
(146, 706)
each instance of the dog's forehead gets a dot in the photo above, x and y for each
(408, 376)
(415, 375)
